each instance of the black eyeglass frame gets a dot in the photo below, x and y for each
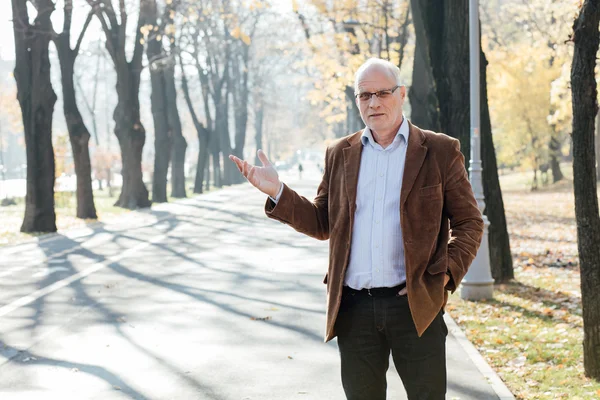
(379, 93)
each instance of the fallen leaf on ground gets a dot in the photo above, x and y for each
(260, 318)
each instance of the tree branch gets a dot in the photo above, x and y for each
(123, 25)
(138, 47)
(82, 34)
(110, 14)
(68, 16)
(99, 11)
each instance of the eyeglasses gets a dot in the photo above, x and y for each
(382, 94)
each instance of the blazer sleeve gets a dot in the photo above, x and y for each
(466, 223)
(305, 216)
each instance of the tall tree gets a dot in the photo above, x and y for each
(91, 107)
(242, 71)
(240, 91)
(189, 39)
(79, 134)
(499, 244)
(158, 62)
(598, 147)
(129, 130)
(169, 143)
(447, 32)
(202, 132)
(36, 98)
(585, 107)
(423, 101)
(179, 143)
(213, 62)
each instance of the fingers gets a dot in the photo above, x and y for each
(245, 169)
(250, 176)
(403, 291)
(237, 161)
(263, 158)
(242, 165)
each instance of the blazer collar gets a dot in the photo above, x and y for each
(352, 156)
(415, 156)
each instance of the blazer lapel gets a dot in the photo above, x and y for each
(415, 155)
(352, 155)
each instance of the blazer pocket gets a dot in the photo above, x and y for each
(431, 191)
(438, 266)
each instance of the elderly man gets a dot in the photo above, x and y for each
(403, 227)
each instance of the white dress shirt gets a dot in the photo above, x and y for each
(377, 249)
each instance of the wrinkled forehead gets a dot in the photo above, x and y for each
(375, 77)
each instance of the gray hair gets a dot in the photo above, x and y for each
(390, 69)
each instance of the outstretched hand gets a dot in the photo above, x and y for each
(265, 178)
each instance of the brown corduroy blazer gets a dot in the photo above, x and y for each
(441, 224)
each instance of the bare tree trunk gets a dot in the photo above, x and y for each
(203, 158)
(203, 133)
(498, 240)
(131, 136)
(36, 98)
(129, 130)
(179, 143)
(91, 108)
(259, 114)
(554, 148)
(354, 121)
(585, 108)
(79, 135)
(240, 91)
(402, 38)
(225, 141)
(163, 139)
(446, 32)
(216, 143)
(423, 101)
(598, 147)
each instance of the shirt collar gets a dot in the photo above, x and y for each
(403, 132)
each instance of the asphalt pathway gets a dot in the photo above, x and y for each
(204, 299)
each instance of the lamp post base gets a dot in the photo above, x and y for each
(477, 291)
(478, 283)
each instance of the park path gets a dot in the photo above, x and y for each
(204, 298)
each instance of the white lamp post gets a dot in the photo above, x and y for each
(478, 283)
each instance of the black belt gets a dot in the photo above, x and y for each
(377, 292)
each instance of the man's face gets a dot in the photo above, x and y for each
(381, 115)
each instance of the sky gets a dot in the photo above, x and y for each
(7, 44)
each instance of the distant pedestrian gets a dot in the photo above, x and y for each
(403, 228)
(300, 169)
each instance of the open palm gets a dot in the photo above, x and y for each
(265, 178)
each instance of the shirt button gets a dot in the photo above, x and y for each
(381, 175)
